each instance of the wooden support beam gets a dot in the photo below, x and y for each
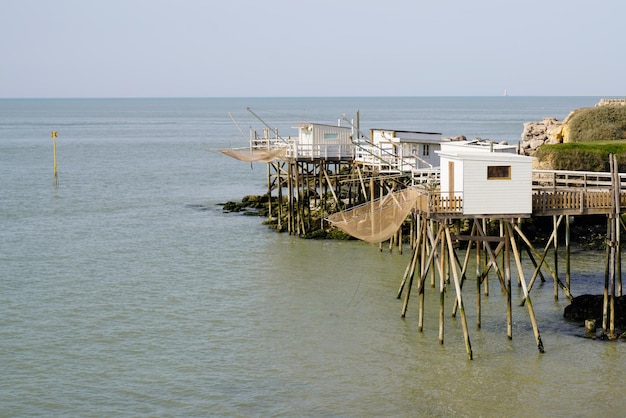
(411, 275)
(520, 273)
(492, 256)
(459, 297)
(463, 269)
(507, 275)
(477, 238)
(541, 261)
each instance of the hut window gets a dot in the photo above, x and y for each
(425, 149)
(498, 172)
(331, 136)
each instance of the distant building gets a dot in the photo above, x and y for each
(397, 150)
(318, 141)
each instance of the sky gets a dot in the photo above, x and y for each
(306, 48)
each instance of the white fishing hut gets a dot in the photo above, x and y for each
(400, 150)
(326, 142)
(488, 183)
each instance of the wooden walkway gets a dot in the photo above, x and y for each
(574, 193)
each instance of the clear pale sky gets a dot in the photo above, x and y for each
(271, 48)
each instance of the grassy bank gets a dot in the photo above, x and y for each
(582, 156)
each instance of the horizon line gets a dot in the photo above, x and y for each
(287, 97)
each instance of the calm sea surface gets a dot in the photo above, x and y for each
(127, 292)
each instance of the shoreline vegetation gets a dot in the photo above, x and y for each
(583, 141)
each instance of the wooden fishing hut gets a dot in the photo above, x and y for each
(314, 159)
(301, 170)
(487, 189)
(475, 185)
(486, 183)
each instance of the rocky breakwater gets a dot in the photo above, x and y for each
(553, 131)
(547, 131)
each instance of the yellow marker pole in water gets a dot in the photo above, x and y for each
(54, 153)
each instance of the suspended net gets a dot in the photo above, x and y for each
(256, 155)
(379, 220)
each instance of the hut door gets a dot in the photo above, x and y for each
(451, 179)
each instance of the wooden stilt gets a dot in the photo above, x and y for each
(486, 278)
(291, 228)
(320, 198)
(534, 261)
(442, 297)
(507, 275)
(567, 252)
(616, 231)
(520, 273)
(463, 270)
(411, 275)
(618, 252)
(478, 281)
(541, 262)
(556, 256)
(612, 242)
(405, 276)
(412, 230)
(619, 255)
(542, 256)
(605, 299)
(421, 287)
(416, 249)
(435, 259)
(459, 297)
(492, 255)
(432, 270)
(280, 197)
(269, 190)
(297, 200)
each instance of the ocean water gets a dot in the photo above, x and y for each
(126, 291)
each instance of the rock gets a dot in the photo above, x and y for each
(535, 134)
(534, 144)
(589, 307)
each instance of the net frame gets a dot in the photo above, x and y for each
(379, 220)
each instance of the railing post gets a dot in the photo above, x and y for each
(582, 200)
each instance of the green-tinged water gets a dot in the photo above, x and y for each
(127, 291)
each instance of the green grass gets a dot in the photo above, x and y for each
(593, 134)
(584, 156)
(598, 124)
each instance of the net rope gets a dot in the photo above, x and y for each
(256, 155)
(378, 220)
